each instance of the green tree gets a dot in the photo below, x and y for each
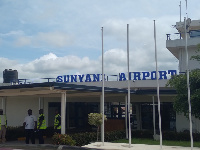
(179, 83)
(96, 120)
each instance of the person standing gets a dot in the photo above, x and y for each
(3, 126)
(30, 125)
(57, 122)
(41, 126)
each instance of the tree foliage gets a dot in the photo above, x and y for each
(179, 83)
(96, 120)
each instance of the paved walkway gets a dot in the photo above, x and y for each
(20, 145)
(124, 146)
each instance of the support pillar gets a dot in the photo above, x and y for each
(63, 112)
(41, 103)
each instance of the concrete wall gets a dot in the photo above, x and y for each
(193, 64)
(182, 123)
(17, 107)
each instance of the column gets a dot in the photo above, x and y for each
(63, 112)
(41, 103)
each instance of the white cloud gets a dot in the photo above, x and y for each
(50, 65)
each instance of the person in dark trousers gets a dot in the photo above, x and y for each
(30, 125)
(57, 122)
(41, 126)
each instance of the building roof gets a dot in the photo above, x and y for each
(55, 88)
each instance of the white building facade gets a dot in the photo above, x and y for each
(81, 98)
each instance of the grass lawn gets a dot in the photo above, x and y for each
(153, 142)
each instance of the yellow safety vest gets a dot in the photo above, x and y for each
(43, 125)
(56, 122)
(5, 121)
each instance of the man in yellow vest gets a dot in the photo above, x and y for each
(41, 126)
(57, 122)
(3, 126)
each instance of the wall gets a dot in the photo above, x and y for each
(193, 64)
(17, 108)
(182, 123)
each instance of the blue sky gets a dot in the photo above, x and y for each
(47, 38)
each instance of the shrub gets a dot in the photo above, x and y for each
(84, 138)
(114, 135)
(88, 137)
(180, 136)
(62, 139)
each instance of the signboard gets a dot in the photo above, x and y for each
(122, 76)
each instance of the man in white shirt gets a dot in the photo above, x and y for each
(30, 124)
(3, 125)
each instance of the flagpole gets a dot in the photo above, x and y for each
(186, 8)
(129, 116)
(158, 92)
(188, 83)
(102, 104)
(180, 11)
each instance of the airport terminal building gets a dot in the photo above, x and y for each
(78, 95)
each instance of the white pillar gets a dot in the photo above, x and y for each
(63, 112)
(41, 103)
(126, 116)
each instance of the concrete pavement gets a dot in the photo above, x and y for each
(125, 146)
(20, 145)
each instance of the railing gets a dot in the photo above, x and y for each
(192, 34)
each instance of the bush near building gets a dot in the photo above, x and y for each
(84, 138)
(62, 139)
